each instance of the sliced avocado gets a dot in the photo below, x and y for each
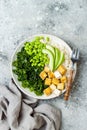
(61, 59)
(57, 56)
(51, 48)
(51, 57)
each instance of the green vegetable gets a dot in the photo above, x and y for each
(57, 57)
(34, 49)
(47, 39)
(51, 48)
(51, 57)
(61, 59)
(28, 74)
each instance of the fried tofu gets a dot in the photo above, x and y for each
(55, 81)
(43, 75)
(57, 74)
(53, 87)
(47, 91)
(63, 79)
(62, 69)
(48, 81)
(61, 86)
(50, 74)
(46, 69)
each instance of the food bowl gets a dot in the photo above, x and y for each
(55, 41)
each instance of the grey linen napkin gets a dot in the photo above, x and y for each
(18, 112)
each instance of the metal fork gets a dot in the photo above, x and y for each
(75, 56)
(74, 59)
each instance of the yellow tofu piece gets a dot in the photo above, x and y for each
(53, 87)
(46, 69)
(62, 69)
(55, 81)
(63, 79)
(43, 75)
(61, 86)
(48, 81)
(47, 91)
(50, 74)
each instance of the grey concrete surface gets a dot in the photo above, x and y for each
(66, 19)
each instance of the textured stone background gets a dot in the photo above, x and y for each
(66, 19)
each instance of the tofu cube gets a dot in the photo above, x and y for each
(53, 87)
(63, 79)
(50, 74)
(57, 92)
(55, 81)
(57, 74)
(48, 81)
(46, 69)
(47, 91)
(43, 75)
(62, 69)
(60, 86)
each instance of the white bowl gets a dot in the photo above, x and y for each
(57, 42)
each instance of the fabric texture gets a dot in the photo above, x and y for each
(19, 112)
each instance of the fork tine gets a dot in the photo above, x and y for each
(73, 51)
(77, 54)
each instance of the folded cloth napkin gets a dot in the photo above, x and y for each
(18, 112)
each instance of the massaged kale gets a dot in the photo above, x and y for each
(28, 74)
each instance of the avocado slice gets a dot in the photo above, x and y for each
(51, 57)
(61, 59)
(51, 48)
(57, 56)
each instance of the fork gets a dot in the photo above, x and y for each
(74, 59)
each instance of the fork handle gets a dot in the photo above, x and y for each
(69, 85)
